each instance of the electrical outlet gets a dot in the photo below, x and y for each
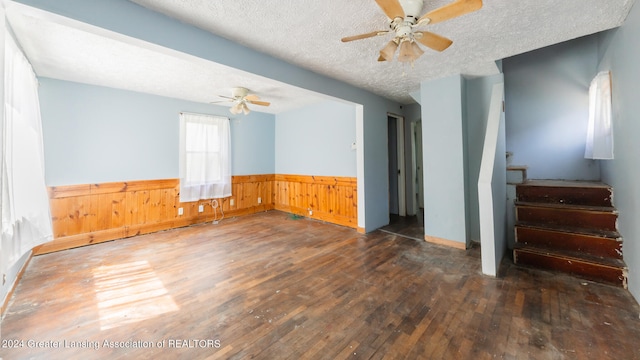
(310, 212)
(180, 211)
(259, 200)
(232, 202)
(200, 208)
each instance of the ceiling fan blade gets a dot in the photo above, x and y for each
(433, 41)
(364, 36)
(245, 109)
(252, 97)
(450, 11)
(226, 97)
(256, 102)
(391, 8)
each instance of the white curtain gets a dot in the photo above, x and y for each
(26, 216)
(600, 130)
(205, 157)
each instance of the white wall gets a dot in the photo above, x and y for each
(95, 134)
(443, 159)
(547, 109)
(492, 187)
(478, 98)
(619, 52)
(316, 140)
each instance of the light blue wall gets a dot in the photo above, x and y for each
(96, 134)
(253, 143)
(316, 140)
(443, 158)
(454, 126)
(620, 53)
(547, 109)
(478, 100)
(132, 20)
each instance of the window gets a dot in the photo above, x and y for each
(600, 130)
(205, 157)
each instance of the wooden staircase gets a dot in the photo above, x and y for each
(569, 226)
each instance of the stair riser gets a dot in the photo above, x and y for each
(577, 218)
(590, 271)
(592, 245)
(565, 195)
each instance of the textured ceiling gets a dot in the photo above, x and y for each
(61, 48)
(305, 33)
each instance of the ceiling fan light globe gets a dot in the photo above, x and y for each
(387, 52)
(407, 53)
(235, 109)
(416, 49)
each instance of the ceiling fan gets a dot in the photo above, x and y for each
(403, 21)
(240, 98)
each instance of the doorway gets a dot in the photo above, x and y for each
(411, 223)
(397, 177)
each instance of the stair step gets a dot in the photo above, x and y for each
(561, 239)
(610, 271)
(580, 216)
(613, 235)
(568, 206)
(565, 192)
(574, 255)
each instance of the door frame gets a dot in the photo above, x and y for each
(418, 190)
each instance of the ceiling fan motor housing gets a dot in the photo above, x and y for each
(240, 92)
(412, 9)
(403, 27)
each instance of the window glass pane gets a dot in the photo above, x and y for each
(204, 157)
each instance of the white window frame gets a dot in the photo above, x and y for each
(207, 176)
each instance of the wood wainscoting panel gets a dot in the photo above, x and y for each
(92, 213)
(327, 198)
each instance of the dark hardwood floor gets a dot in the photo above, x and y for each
(268, 286)
(408, 226)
